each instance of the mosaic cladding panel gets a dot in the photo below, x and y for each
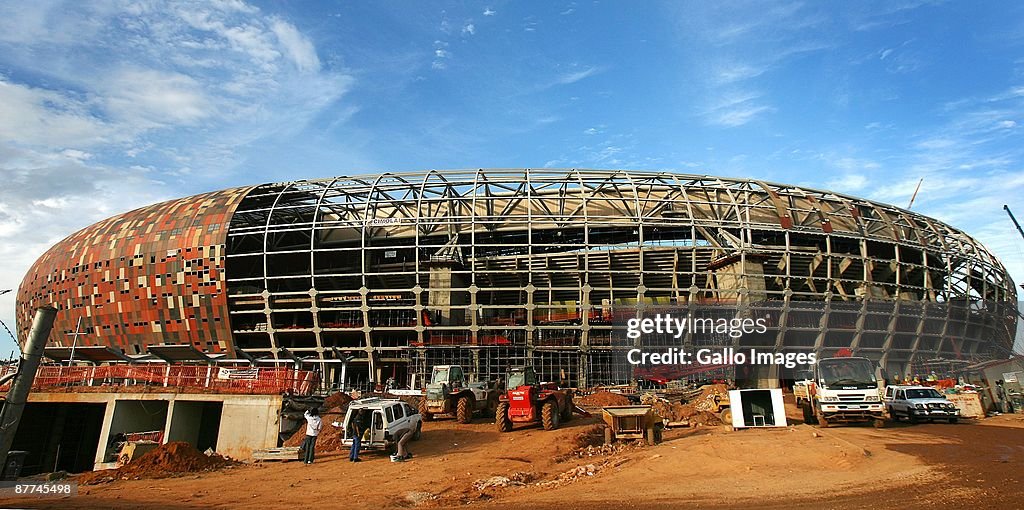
(149, 276)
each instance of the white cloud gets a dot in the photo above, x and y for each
(848, 183)
(489, 12)
(108, 106)
(573, 77)
(296, 46)
(469, 28)
(148, 98)
(35, 116)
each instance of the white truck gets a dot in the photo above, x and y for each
(843, 390)
(388, 418)
(916, 403)
(450, 393)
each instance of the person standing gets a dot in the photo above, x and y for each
(313, 426)
(359, 425)
(1004, 404)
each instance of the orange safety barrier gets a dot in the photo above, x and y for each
(186, 378)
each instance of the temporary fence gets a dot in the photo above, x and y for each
(183, 378)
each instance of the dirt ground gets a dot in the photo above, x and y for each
(973, 464)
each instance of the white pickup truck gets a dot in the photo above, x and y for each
(917, 403)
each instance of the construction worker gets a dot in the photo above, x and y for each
(360, 423)
(403, 454)
(313, 426)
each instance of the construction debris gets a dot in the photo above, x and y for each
(518, 478)
(700, 409)
(168, 459)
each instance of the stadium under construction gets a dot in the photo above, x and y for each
(372, 278)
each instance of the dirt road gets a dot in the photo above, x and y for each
(974, 465)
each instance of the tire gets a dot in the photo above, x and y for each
(501, 418)
(549, 415)
(726, 416)
(879, 423)
(953, 420)
(567, 412)
(424, 413)
(911, 418)
(464, 410)
(419, 432)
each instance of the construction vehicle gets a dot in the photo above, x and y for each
(132, 445)
(632, 422)
(843, 390)
(526, 400)
(449, 393)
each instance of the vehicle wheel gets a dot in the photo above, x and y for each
(952, 420)
(464, 410)
(911, 418)
(424, 413)
(501, 417)
(567, 412)
(726, 416)
(419, 432)
(492, 407)
(879, 423)
(549, 415)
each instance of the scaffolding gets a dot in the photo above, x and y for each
(493, 268)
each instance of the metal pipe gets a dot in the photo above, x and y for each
(17, 397)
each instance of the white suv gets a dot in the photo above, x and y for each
(388, 418)
(919, 403)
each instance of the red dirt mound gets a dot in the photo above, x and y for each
(337, 399)
(165, 460)
(602, 399)
(330, 436)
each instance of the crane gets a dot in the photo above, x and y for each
(1014, 219)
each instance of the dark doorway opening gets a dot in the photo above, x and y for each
(196, 422)
(59, 437)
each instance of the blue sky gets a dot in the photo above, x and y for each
(106, 106)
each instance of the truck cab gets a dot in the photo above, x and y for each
(844, 390)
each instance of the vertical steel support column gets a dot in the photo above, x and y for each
(18, 395)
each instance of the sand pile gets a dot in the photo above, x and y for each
(602, 399)
(166, 460)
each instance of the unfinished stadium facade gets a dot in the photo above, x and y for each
(378, 277)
